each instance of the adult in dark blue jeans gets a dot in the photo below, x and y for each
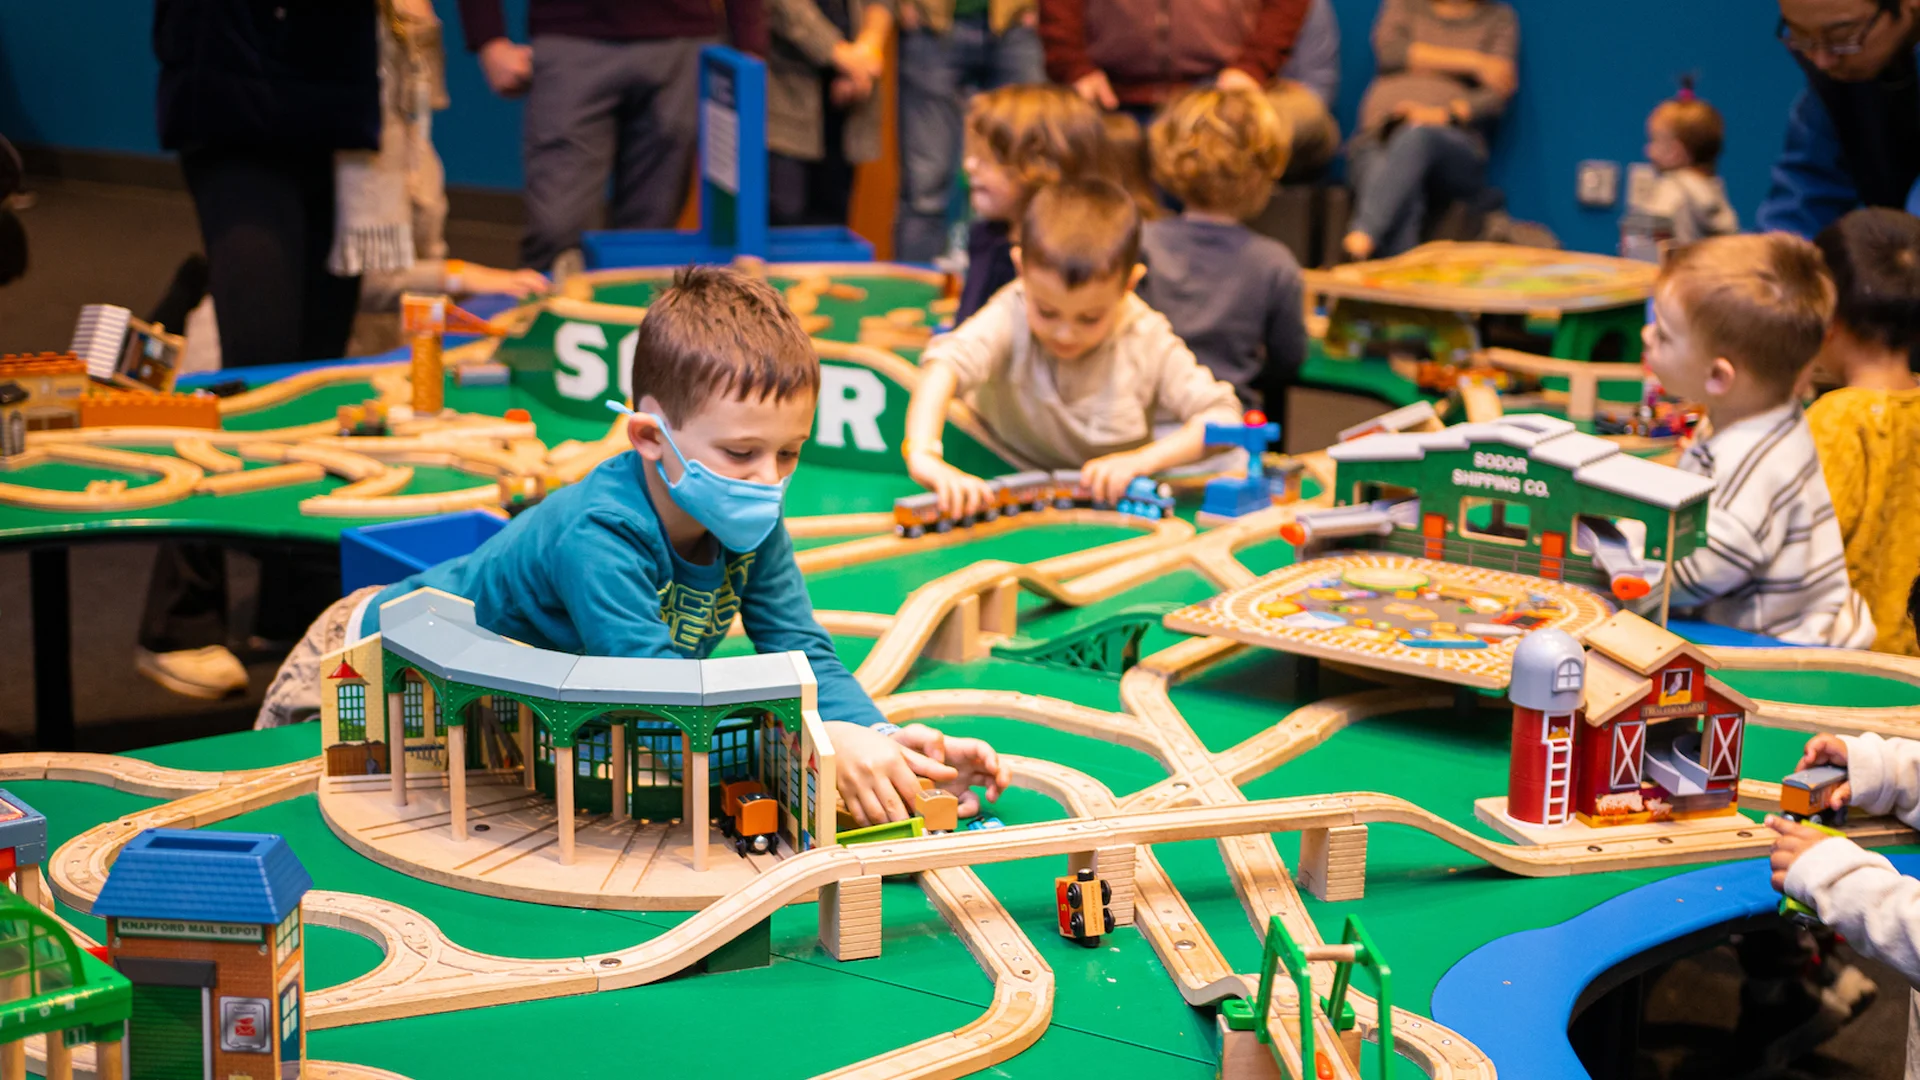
(1446, 74)
(1853, 135)
(950, 49)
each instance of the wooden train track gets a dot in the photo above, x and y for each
(1200, 799)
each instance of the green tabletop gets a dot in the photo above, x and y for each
(1426, 903)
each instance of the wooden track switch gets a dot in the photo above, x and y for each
(850, 918)
(1333, 862)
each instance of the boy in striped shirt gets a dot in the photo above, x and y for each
(1736, 320)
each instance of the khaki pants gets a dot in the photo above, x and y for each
(294, 695)
(1316, 135)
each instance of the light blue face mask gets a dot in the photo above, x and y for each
(740, 514)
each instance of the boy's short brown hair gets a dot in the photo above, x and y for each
(1081, 230)
(718, 332)
(1761, 301)
(1040, 133)
(1697, 127)
(1219, 150)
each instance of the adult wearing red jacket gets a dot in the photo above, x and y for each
(1135, 54)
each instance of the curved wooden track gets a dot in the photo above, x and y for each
(425, 973)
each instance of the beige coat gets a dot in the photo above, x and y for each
(802, 55)
(1062, 415)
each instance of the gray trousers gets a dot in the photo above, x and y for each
(629, 108)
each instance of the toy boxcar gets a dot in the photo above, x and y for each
(1804, 796)
(1025, 491)
(939, 811)
(913, 515)
(1081, 903)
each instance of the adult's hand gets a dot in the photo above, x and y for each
(1499, 75)
(1424, 115)
(1235, 79)
(1096, 89)
(507, 66)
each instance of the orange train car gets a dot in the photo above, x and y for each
(1805, 796)
(1080, 901)
(750, 816)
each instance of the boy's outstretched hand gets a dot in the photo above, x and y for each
(1828, 750)
(1792, 840)
(1107, 477)
(878, 776)
(958, 493)
(972, 759)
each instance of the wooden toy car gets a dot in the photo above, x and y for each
(750, 816)
(939, 811)
(913, 515)
(1081, 904)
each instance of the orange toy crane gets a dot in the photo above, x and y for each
(425, 320)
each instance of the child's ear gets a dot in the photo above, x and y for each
(643, 431)
(1720, 376)
(1137, 276)
(1014, 254)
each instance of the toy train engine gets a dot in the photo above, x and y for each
(1808, 794)
(1144, 498)
(750, 816)
(1081, 903)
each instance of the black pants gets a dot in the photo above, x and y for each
(266, 220)
(813, 192)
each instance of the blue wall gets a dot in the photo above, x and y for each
(82, 75)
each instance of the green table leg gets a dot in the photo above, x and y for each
(1582, 333)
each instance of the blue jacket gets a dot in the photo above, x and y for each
(590, 571)
(1816, 180)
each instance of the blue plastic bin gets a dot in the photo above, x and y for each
(384, 554)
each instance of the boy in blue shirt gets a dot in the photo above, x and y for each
(654, 552)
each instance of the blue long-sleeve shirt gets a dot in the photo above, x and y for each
(1811, 186)
(590, 571)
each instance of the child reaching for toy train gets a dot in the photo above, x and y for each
(1066, 366)
(654, 552)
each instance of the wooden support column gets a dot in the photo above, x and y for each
(1000, 608)
(620, 770)
(563, 799)
(526, 745)
(1243, 1056)
(457, 777)
(698, 820)
(850, 918)
(1333, 862)
(60, 1056)
(957, 639)
(26, 882)
(397, 747)
(110, 1059)
(1115, 864)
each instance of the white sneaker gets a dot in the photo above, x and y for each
(211, 673)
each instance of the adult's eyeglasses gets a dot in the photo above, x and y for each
(1844, 42)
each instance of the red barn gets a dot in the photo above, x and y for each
(1656, 736)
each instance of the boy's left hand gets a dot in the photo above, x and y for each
(974, 762)
(878, 777)
(1107, 477)
(1792, 840)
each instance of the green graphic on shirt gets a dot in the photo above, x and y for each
(695, 615)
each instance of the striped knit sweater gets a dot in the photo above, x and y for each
(1774, 562)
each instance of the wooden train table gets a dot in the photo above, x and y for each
(1205, 769)
(275, 474)
(1434, 292)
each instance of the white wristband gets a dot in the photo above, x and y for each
(885, 728)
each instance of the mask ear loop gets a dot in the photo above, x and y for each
(666, 432)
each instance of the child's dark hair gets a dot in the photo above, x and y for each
(1081, 230)
(717, 332)
(1874, 256)
(1913, 603)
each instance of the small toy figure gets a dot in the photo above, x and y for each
(1081, 903)
(367, 418)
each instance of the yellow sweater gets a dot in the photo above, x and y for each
(1869, 443)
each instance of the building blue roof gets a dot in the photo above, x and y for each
(205, 875)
